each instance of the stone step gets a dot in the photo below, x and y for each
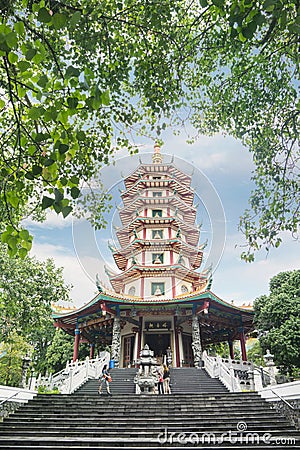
(95, 443)
(101, 427)
(88, 420)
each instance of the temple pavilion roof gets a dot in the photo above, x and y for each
(105, 305)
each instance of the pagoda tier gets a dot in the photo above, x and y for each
(171, 185)
(171, 206)
(175, 274)
(178, 246)
(152, 170)
(139, 223)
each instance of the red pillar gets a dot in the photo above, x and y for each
(76, 344)
(139, 342)
(243, 345)
(92, 351)
(231, 351)
(177, 353)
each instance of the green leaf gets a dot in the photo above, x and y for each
(11, 39)
(23, 65)
(203, 3)
(58, 195)
(242, 38)
(44, 16)
(59, 20)
(74, 180)
(75, 19)
(105, 98)
(63, 148)
(48, 162)
(47, 202)
(2, 103)
(218, 3)
(12, 242)
(35, 113)
(80, 135)
(24, 234)
(12, 198)
(72, 72)
(36, 170)
(43, 81)
(12, 57)
(66, 211)
(22, 252)
(30, 54)
(19, 27)
(57, 207)
(72, 102)
(75, 192)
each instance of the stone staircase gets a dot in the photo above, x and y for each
(85, 419)
(122, 383)
(192, 380)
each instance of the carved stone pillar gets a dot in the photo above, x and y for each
(196, 341)
(116, 342)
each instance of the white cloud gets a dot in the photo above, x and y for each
(52, 221)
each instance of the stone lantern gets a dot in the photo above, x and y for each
(146, 377)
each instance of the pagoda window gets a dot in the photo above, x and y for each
(157, 234)
(157, 258)
(157, 288)
(156, 212)
(157, 194)
(156, 178)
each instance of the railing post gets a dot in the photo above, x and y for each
(70, 380)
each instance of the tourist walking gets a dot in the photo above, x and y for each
(104, 379)
(166, 378)
(160, 385)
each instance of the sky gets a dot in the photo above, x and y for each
(221, 169)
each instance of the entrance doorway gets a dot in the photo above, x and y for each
(158, 342)
(187, 350)
(128, 350)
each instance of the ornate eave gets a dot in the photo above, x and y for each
(195, 255)
(185, 193)
(220, 313)
(189, 212)
(138, 271)
(164, 169)
(139, 222)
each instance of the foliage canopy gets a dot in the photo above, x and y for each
(27, 289)
(79, 78)
(277, 317)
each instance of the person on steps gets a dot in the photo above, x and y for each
(160, 384)
(166, 378)
(104, 379)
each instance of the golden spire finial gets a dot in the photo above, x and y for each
(157, 157)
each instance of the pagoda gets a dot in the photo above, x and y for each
(159, 296)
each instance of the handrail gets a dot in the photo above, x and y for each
(281, 398)
(8, 398)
